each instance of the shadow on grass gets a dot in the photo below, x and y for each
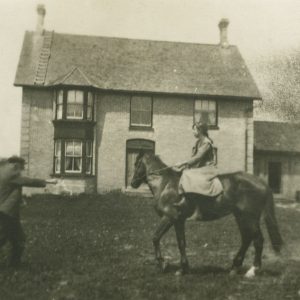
(208, 269)
(202, 270)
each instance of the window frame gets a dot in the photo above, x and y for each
(74, 156)
(85, 104)
(142, 126)
(68, 104)
(82, 172)
(210, 126)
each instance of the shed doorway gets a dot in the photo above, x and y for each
(274, 178)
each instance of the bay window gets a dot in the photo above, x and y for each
(73, 132)
(74, 104)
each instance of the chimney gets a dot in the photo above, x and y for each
(41, 12)
(223, 24)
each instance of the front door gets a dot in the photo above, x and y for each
(274, 180)
(133, 148)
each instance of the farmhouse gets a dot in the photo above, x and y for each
(277, 157)
(90, 103)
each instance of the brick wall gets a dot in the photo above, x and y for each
(37, 146)
(172, 122)
(37, 134)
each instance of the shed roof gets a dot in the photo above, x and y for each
(135, 65)
(277, 136)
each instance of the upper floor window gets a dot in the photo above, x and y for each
(74, 105)
(141, 111)
(206, 111)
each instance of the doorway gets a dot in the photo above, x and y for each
(133, 148)
(274, 180)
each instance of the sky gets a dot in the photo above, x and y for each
(260, 28)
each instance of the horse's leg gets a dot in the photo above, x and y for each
(163, 227)
(180, 234)
(258, 242)
(246, 237)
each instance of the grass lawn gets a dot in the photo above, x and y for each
(100, 247)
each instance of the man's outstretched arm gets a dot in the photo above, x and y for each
(32, 182)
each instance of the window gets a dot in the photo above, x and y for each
(59, 105)
(141, 111)
(57, 157)
(74, 105)
(73, 156)
(206, 111)
(89, 157)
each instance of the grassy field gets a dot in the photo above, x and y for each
(100, 248)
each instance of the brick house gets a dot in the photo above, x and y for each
(277, 157)
(90, 103)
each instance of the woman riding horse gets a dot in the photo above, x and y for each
(199, 173)
(244, 195)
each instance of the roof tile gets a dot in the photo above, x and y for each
(277, 136)
(140, 65)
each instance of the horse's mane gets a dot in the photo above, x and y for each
(156, 161)
(158, 165)
(159, 161)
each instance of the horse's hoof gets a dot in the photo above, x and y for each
(251, 272)
(183, 271)
(163, 267)
(234, 271)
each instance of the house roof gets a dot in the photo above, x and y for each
(134, 65)
(277, 136)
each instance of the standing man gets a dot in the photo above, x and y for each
(11, 183)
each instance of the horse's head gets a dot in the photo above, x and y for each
(140, 174)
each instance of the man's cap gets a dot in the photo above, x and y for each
(16, 159)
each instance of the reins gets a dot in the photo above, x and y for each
(155, 172)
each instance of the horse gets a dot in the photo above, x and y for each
(244, 195)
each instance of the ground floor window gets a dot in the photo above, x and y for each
(274, 176)
(133, 148)
(73, 156)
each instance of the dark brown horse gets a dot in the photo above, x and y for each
(245, 196)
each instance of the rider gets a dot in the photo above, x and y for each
(199, 171)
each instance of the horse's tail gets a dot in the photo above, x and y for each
(271, 223)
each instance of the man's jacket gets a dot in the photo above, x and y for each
(11, 183)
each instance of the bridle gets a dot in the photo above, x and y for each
(155, 172)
